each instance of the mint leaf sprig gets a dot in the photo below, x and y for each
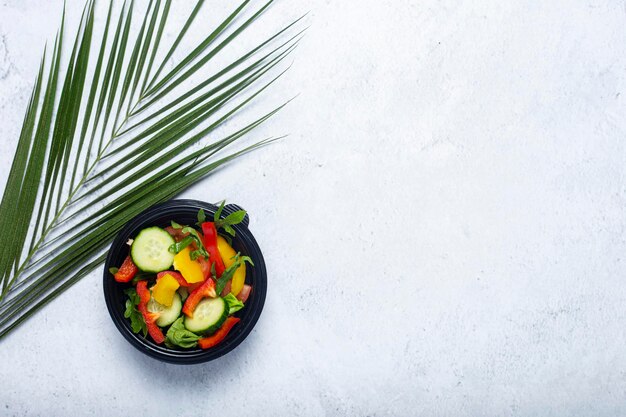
(230, 271)
(227, 222)
(193, 237)
(201, 217)
(137, 323)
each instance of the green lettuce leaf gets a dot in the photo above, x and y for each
(177, 335)
(233, 303)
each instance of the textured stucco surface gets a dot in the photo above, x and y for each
(444, 228)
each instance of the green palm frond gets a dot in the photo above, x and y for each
(113, 125)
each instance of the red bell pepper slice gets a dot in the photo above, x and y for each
(176, 275)
(150, 318)
(219, 335)
(127, 271)
(209, 241)
(207, 289)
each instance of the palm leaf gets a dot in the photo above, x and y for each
(107, 129)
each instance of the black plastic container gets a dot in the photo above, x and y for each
(185, 212)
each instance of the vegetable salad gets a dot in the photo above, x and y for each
(186, 282)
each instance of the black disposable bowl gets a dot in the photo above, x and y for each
(185, 212)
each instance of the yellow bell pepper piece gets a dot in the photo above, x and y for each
(190, 270)
(228, 254)
(163, 291)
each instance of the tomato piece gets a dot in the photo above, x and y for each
(219, 335)
(127, 271)
(177, 234)
(245, 293)
(205, 265)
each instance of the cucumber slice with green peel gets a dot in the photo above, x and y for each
(208, 316)
(167, 315)
(150, 250)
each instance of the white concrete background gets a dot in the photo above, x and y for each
(444, 229)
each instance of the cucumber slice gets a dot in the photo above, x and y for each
(150, 250)
(168, 315)
(208, 316)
